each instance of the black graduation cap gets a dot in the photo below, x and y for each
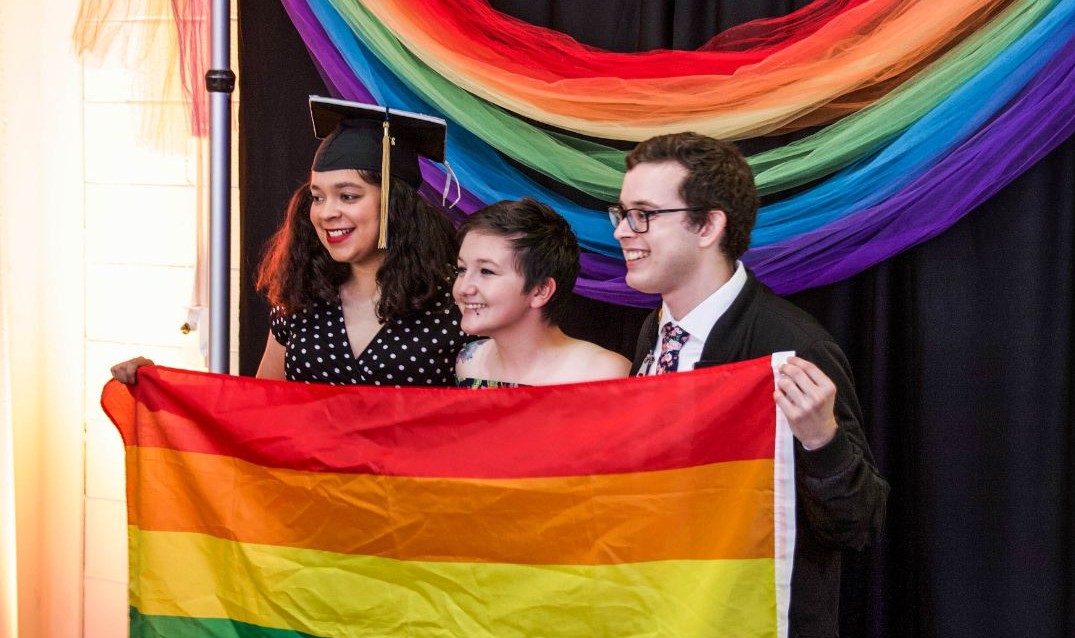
(354, 136)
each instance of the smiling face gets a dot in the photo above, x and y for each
(345, 213)
(665, 259)
(489, 288)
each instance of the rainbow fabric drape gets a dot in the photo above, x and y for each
(277, 509)
(923, 110)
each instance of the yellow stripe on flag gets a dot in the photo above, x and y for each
(329, 594)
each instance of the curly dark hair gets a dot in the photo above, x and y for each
(718, 176)
(543, 242)
(296, 271)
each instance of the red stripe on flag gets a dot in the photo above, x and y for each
(625, 425)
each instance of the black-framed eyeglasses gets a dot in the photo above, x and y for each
(638, 219)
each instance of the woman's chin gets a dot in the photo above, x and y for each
(474, 326)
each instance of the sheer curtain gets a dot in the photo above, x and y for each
(8, 574)
(41, 338)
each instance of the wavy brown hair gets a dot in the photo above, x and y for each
(297, 272)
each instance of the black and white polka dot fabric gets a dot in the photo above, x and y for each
(418, 350)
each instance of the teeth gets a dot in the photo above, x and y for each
(635, 255)
(338, 232)
(474, 306)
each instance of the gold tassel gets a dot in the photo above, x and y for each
(382, 236)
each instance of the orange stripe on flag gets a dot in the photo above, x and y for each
(595, 520)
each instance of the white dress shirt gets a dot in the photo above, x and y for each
(699, 321)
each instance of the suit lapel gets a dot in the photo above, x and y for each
(722, 345)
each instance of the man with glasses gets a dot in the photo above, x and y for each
(686, 210)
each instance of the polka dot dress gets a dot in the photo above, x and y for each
(419, 349)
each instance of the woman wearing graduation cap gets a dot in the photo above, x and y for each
(360, 273)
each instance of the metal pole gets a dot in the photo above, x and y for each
(220, 82)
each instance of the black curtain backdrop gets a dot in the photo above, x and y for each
(962, 347)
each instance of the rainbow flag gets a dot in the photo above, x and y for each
(659, 506)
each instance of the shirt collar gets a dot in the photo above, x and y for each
(700, 320)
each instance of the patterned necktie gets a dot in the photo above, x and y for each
(672, 339)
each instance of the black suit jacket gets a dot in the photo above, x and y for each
(840, 496)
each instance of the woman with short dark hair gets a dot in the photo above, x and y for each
(517, 265)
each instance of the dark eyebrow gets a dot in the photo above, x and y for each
(482, 261)
(338, 185)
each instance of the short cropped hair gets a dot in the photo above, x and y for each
(718, 176)
(543, 243)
